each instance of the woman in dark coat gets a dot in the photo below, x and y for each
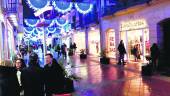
(122, 52)
(9, 85)
(32, 78)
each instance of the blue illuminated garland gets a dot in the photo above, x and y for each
(29, 30)
(38, 4)
(31, 22)
(61, 22)
(51, 29)
(62, 7)
(39, 29)
(52, 23)
(83, 8)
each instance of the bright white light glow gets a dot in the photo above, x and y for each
(42, 10)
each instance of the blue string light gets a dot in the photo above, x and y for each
(62, 7)
(29, 30)
(83, 8)
(38, 4)
(39, 29)
(61, 22)
(31, 22)
(51, 29)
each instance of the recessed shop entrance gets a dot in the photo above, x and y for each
(163, 34)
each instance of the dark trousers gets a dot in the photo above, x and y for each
(121, 59)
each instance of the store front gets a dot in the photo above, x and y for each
(110, 46)
(1, 40)
(79, 39)
(94, 41)
(135, 34)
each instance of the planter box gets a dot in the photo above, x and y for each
(104, 60)
(83, 56)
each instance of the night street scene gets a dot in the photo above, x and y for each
(84, 48)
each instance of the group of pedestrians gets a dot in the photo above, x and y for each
(62, 50)
(32, 80)
(154, 54)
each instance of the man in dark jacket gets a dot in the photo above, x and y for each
(54, 76)
(32, 78)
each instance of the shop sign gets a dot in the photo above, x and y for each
(111, 44)
(133, 24)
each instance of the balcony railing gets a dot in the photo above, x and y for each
(9, 6)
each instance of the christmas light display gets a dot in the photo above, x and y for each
(31, 22)
(62, 7)
(83, 8)
(38, 4)
(61, 22)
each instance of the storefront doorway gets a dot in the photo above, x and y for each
(94, 42)
(163, 41)
(79, 39)
(136, 40)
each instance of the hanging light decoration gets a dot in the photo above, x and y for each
(83, 8)
(39, 29)
(31, 22)
(29, 30)
(62, 7)
(38, 4)
(51, 23)
(61, 22)
(51, 29)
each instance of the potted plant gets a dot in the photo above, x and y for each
(83, 55)
(103, 57)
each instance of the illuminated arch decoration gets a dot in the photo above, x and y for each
(27, 35)
(62, 7)
(29, 30)
(50, 22)
(31, 22)
(34, 35)
(51, 29)
(61, 22)
(38, 4)
(39, 29)
(84, 8)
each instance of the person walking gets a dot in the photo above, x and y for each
(122, 52)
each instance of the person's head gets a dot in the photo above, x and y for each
(19, 63)
(33, 59)
(121, 41)
(155, 45)
(48, 58)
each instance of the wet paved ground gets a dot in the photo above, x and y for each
(113, 80)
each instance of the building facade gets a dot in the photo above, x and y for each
(141, 25)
